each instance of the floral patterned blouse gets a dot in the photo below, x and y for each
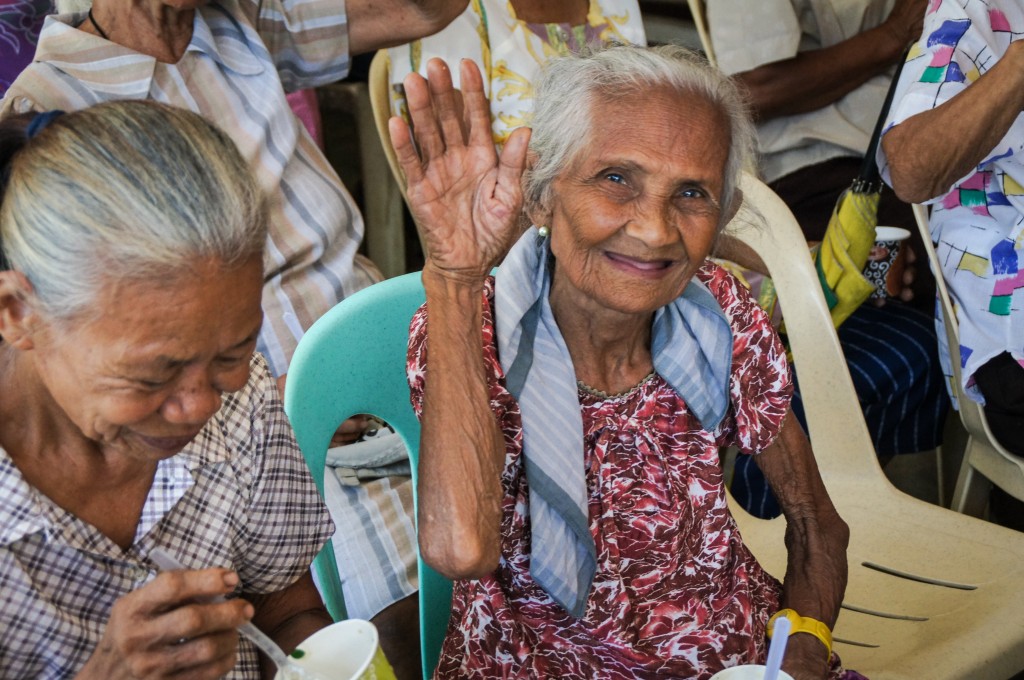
(676, 594)
(510, 52)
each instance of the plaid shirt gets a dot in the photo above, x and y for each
(239, 496)
(244, 55)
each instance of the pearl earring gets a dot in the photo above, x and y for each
(543, 231)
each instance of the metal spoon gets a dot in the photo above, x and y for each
(288, 668)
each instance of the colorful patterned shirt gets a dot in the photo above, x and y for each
(978, 226)
(239, 496)
(677, 593)
(244, 55)
(511, 52)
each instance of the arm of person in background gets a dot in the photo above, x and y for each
(465, 201)
(816, 539)
(289, 616)
(375, 24)
(816, 78)
(930, 151)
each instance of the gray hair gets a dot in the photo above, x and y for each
(572, 83)
(125, 190)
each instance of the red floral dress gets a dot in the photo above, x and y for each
(676, 593)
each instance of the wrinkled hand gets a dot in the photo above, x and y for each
(167, 628)
(906, 20)
(465, 199)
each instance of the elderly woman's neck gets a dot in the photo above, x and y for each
(610, 350)
(146, 26)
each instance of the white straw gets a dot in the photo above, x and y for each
(777, 649)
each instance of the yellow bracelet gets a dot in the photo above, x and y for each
(804, 624)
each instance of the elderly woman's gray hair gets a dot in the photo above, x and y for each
(572, 84)
(126, 190)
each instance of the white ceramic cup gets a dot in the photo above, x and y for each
(754, 671)
(346, 650)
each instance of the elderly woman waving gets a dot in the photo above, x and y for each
(574, 405)
(134, 414)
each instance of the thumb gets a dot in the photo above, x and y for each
(512, 161)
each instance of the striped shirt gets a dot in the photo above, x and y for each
(239, 496)
(244, 55)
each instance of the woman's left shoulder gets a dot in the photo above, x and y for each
(735, 299)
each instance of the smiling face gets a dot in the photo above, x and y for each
(637, 212)
(144, 378)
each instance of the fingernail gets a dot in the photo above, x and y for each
(230, 579)
(249, 611)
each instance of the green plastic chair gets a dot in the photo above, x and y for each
(351, 361)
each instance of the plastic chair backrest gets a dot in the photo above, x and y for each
(380, 100)
(931, 593)
(985, 460)
(700, 20)
(382, 202)
(351, 361)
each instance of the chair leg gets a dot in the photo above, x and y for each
(972, 489)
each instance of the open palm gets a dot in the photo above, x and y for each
(465, 199)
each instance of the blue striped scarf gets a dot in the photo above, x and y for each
(691, 347)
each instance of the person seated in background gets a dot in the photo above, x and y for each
(510, 41)
(135, 414)
(817, 74)
(233, 61)
(956, 141)
(573, 405)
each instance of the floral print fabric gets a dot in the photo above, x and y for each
(677, 594)
(511, 52)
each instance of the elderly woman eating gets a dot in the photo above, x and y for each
(135, 415)
(574, 405)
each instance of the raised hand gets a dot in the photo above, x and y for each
(465, 199)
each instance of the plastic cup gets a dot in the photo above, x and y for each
(754, 671)
(885, 263)
(346, 650)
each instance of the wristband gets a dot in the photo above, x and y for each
(804, 624)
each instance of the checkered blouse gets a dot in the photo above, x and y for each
(239, 496)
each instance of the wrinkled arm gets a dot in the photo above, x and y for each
(465, 200)
(930, 151)
(462, 449)
(816, 538)
(816, 78)
(375, 24)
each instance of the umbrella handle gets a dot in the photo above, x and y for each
(869, 168)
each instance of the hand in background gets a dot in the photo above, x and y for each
(906, 20)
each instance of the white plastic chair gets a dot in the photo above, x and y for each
(932, 594)
(701, 22)
(383, 213)
(985, 461)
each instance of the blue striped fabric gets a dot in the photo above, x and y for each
(892, 355)
(691, 350)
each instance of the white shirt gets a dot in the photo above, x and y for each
(748, 34)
